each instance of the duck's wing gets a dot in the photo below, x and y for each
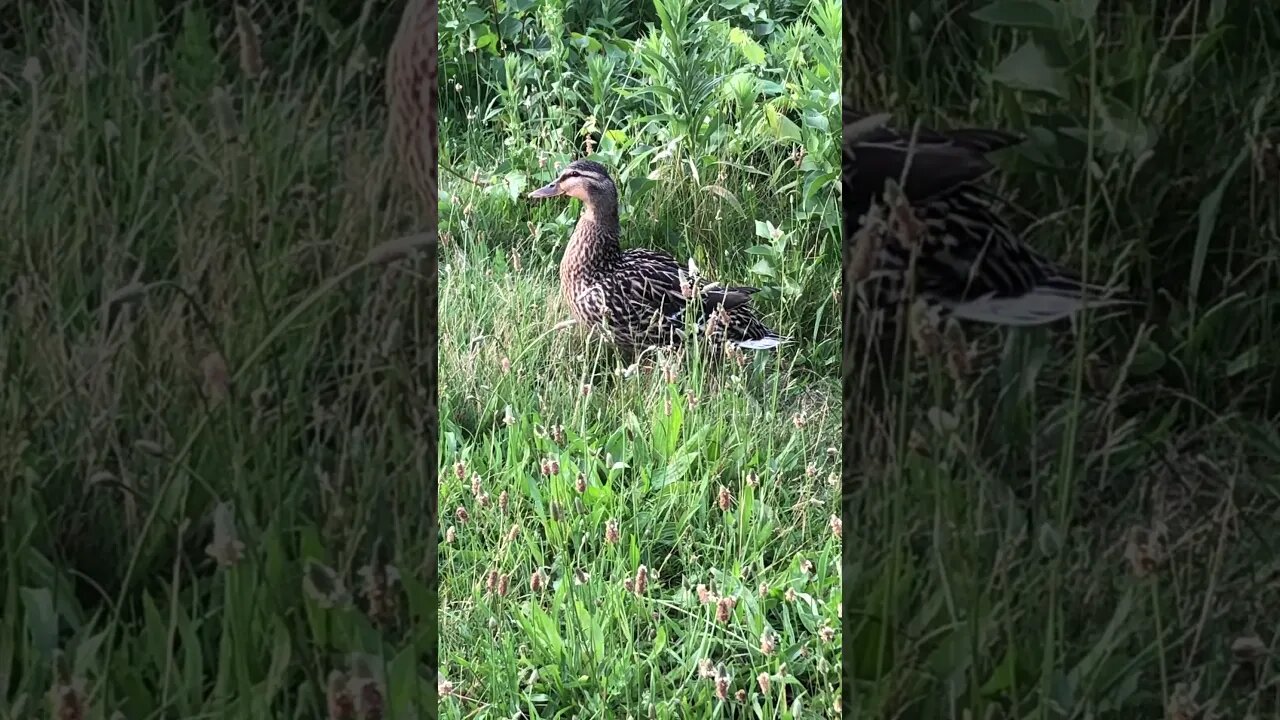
(656, 292)
(975, 265)
(648, 285)
(924, 161)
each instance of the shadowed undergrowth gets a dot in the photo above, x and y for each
(1081, 524)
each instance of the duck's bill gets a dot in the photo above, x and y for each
(546, 191)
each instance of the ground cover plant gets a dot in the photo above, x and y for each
(656, 539)
(214, 455)
(1083, 524)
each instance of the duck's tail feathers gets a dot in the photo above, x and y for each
(768, 342)
(1057, 298)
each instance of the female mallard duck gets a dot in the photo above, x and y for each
(639, 297)
(968, 261)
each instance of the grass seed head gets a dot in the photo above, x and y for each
(504, 501)
(225, 547)
(959, 356)
(444, 688)
(372, 703)
(836, 525)
(705, 595)
(924, 330)
(706, 668)
(642, 580)
(217, 378)
(611, 533)
(580, 483)
(768, 643)
(1181, 703)
(763, 681)
(32, 71)
(462, 515)
(250, 44)
(67, 696)
(724, 499)
(450, 535)
(338, 697)
(224, 111)
(724, 609)
(1144, 552)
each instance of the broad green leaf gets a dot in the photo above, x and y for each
(1027, 68)
(1002, 677)
(816, 120)
(516, 182)
(41, 619)
(782, 126)
(1025, 14)
(1084, 10)
(749, 48)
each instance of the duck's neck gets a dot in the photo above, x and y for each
(594, 245)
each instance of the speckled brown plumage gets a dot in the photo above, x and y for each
(640, 298)
(953, 248)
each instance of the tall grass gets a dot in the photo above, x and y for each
(210, 415)
(1084, 526)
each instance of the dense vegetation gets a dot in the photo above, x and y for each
(568, 478)
(213, 463)
(1085, 524)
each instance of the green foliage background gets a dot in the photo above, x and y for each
(1085, 527)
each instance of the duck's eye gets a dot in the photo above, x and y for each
(570, 174)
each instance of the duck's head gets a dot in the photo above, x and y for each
(585, 180)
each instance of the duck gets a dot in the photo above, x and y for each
(954, 249)
(639, 298)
